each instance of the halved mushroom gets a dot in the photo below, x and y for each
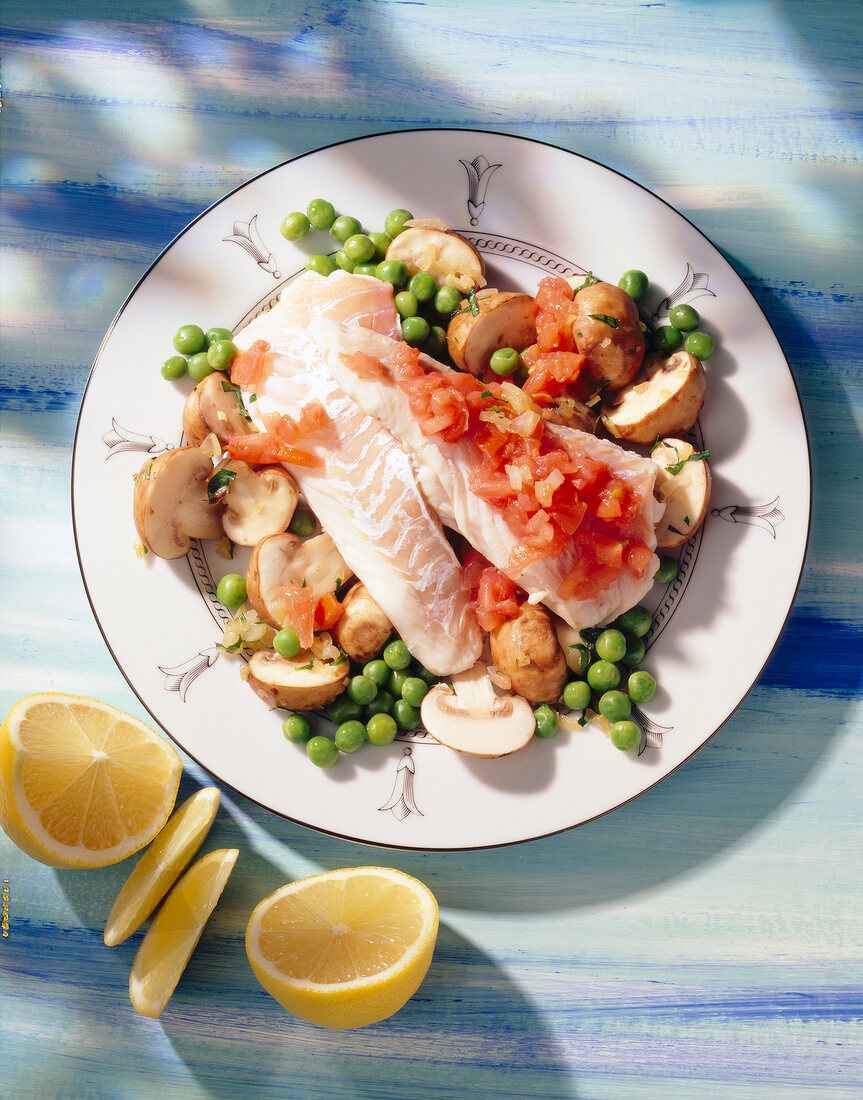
(607, 331)
(363, 627)
(505, 320)
(304, 682)
(526, 650)
(664, 398)
(471, 717)
(170, 502)
(683, 483)
(282, 560)
(258, 503)
(451, 259)
(214, 405)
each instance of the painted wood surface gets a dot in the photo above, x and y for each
(702, 941)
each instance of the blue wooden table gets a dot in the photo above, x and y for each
(703, 940)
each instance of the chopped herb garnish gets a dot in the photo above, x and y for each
(231, 648)
(612, 322)
(655, 444)
(303, 585)
(486, 393)
(472, 302)
(589, 280)
(229, 387)
(696, 456)
(220, 483)
(252, 397)
(311, 664)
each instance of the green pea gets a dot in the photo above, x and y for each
(221, 354)
(345, 227)
(366, 269)
(174, 367)
(700, 345)
(381, 241)
(343, 709)
(295, 226)
(625, 735)
(392, 271)
(611, 645)
(414, 690)
(214, 335)
(603, 675)
(634, 283)
(297, 728)
(303, 523)
(641, 686)
(667, 339)
(350, 736)
(576, 695)
(407, 304)
(614, 705)
(381, 729)
(360, 248)
(321, 214)
(231, 590)
(423, 285)
(425, 674)
(505, 361)
(323, 265)
(287, 643)
(396, 655)
(667, 571)
(546, 721)
(684, 318)
(188, 339)
(637, 620)
(377, 671)
(198, 366)
(435, 344)
(406, 716)
(362, 690)
(447, 300)
(415, 330)
(397, 680)
(382, 703)
(394, 222)
(635, 650)
(322, 752)
(344, 261)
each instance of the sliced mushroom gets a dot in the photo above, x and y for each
(607, 331)
(170, 502)
(304, 682)
(451, 259)
(471, 717)
(526, 650)
(282, 560)
(363, 628)
(505, 320)
(258, 503)
(214, 406)
(664, 398)
(685, 489)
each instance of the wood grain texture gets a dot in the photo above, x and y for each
(701, 941)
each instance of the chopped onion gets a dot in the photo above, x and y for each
(498, 678)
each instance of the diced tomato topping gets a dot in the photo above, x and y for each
(263, 448)
(248, 365)
(551, 375)
(638, 558)
(328, 612)
(300, 605)
(363, 365)
(490, 592)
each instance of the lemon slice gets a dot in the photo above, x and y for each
(345, 948)
(161, 865)
(81, 783)
(175, 931)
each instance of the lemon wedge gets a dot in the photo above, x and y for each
(175, 931)
(81, 783)
(161, 865)
(345, 948)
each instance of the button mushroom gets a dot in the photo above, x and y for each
(607, 331)
(504, 320)
(363, 628)
(664, 398)
(171, 505)
(304, 682)
(683, 483)
(451, 259)
(526, 650)
(214, 406)
(257, 503)
(471, 717)
(282, 560)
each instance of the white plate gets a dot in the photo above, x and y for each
(531, 209)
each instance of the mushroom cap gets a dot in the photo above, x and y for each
(664, 398)
(282, 560)
(472, 718)
(170, 502)
(613, 353)
(504, 320)
(214, 407)
(451, 259)
(363, 627)
(304, 682)
(686, 494)
(258, 502)
(527, 650)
